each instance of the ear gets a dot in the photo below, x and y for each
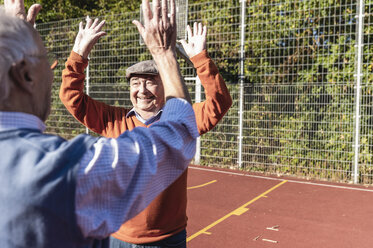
(20, 74)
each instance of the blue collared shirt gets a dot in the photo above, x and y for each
(118, 178)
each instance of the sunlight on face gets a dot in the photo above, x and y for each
(147, 94)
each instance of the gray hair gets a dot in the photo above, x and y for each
(16, 41)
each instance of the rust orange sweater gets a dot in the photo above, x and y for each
(166, 215)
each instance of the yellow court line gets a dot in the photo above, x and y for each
(202, 185)
(240, 210)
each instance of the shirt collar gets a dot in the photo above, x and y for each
(19, 120)
(149, 121)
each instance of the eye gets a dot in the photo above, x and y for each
(150, 83)
(135, 83)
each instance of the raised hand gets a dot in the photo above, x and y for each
(159, 35)
(159, 30)
(88, 36)
(196, 40)
(17, 8)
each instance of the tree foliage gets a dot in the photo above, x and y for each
(66, 9)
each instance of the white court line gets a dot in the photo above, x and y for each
(278, 179)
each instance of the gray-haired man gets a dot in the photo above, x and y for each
(58, 193)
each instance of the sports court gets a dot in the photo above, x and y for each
(236, 209)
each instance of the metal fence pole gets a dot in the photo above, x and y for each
(87, 89)
(197, 98)
(359, 53)
(198, 92)
(242, 80)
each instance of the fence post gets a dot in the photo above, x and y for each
(242, 80)
(197, 98)
(87, 88)
(198, 92)
(359, 54)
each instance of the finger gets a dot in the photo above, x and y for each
(204, 32)
(100, 25)
(94, 24)
(8, 4)
(183, 51)
(147, 12)
(190, 34)
(173, 14)
(81, 27)
(139, 26)
(156, 10)
(89, 22)
(99, 35)
(32, 13)
(17, 8)
(199, 29)
(20, 6)
(183, 43)
(195, 29)
(164, 11)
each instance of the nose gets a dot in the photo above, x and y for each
(143, 88)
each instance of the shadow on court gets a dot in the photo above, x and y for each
(235, 209)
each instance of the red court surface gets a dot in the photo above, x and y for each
(236, 209)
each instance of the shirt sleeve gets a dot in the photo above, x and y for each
(218, 100)
(119, 177)
(91, 113)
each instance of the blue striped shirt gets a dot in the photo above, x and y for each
(118, 178)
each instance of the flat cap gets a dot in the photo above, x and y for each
(147, 67)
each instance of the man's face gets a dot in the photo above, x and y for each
(147, 94)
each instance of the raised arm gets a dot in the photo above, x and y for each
(144, 161)
(162, 45)
(93, 114)
(218, 100)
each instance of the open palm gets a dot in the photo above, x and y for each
(196, 40)
(88, 36)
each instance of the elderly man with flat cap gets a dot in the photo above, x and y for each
(146, 91)
(163, 223)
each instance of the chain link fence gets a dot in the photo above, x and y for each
(299, 72)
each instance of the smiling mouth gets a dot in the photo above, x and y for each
(146, 98)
